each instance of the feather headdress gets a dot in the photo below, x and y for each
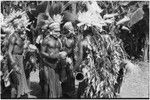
(51, 15)
(92, 16)
(54, 15)
(16, 21)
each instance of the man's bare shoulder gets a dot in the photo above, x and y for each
(12, 39)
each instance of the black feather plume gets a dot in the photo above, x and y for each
(55, 8)
(69, 17)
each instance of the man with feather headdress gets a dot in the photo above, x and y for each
(92, 53)
(68, 40)
(15, 25)
(49, 24)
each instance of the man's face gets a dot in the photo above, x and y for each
(56, 34)
(22, 35)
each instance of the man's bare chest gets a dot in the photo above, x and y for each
(18, 46)
(54, 43)
(19, 42)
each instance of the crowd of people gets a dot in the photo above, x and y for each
(52, 48)
(49, 47)
(61, 46)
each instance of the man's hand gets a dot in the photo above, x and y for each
(68, 60)
(26, 44)
(63, 54)
(55, 26)
(16, 68)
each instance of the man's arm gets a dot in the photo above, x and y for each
(43, 49)
(64, 48)
(10, 49)
(12, 41)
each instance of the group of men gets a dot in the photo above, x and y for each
(55, 53)
(59, 48)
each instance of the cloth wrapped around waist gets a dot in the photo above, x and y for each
(22, 87)
(49, 62)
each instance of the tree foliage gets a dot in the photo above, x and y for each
(107, 21)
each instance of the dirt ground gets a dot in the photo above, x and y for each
(135, 85)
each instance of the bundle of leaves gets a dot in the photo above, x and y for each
(104, 59)
(104, 63)
(15, 21)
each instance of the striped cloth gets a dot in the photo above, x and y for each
(22, 87)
